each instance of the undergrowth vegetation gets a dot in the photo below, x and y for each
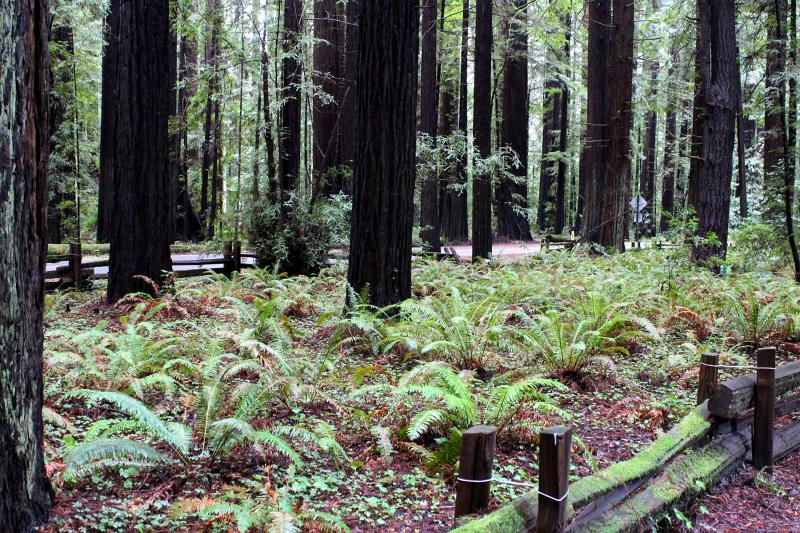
(257, 402)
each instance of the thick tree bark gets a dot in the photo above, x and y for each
(791, 141)
(599, 50)
(328, 71)
(143, 203)
(455, 217)
(670, 159)
(618, 173)
(713, 205)
(290, 113)
(551, 125)
(429, 190)
(108, 118)
(25, 493)
(775, 109)
(209, 147)
(647, 173)
(741, 186)
(385, 161)
(482, 130)
(349, 117)
(702, 66)
(512, 221)
(560, 220)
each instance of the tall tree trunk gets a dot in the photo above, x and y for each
(290, 113)
(429, 209)
(599, 50)
(348, 90)
(62, 46)
(385, 161)
(482, 126)
(175, 134)
(775, 108)
(647, 174)
(512, 221)
(108, 119)
(670, 159)
(455, 217)
(791, 152)
(143, 202)
(713, 205)
(741, 186)
(25, 492)
(209, 147)
(328, 71)
(700, 113)
(561, 181)
(612, 233)
(188, 224)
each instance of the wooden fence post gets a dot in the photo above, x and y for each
(75, 263)
(764, 412)
(227, 258)
(709, 376)
(554, 450)
(237, 256)
(477, 460)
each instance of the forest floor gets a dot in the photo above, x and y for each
(331, 388)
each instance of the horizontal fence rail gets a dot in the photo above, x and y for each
(734, 423)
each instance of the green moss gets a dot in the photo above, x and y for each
(692, 427)
(504, 520)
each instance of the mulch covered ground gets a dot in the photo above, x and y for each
(753, 501)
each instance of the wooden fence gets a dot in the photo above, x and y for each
(733, 423)
(78, 271)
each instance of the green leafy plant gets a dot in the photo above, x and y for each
(436, 399)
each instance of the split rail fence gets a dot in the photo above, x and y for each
(733, 423)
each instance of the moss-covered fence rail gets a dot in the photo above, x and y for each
(698, 451)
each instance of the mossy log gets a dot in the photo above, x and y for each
(607, 486)
(685, 478)
(736, 395)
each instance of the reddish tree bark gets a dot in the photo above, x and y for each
(612, 232)
(512, 201)
(429, 191)
(482, 130)
(385, 160)
(143, 201)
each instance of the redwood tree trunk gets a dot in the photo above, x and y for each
(713, 205)
(290, 113)
(482, 126)
(512, 203)
(560, 220)
(455, 217)
(25, 493)
(108, 118)
(429, 191)
(612, 233)
(551, 125)
(647, 174)
(385, 159)
(700, 111)
(597, 131)
(348, 90)
(775, 108)
(328, 71)
(670, 159)
(143, 203)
